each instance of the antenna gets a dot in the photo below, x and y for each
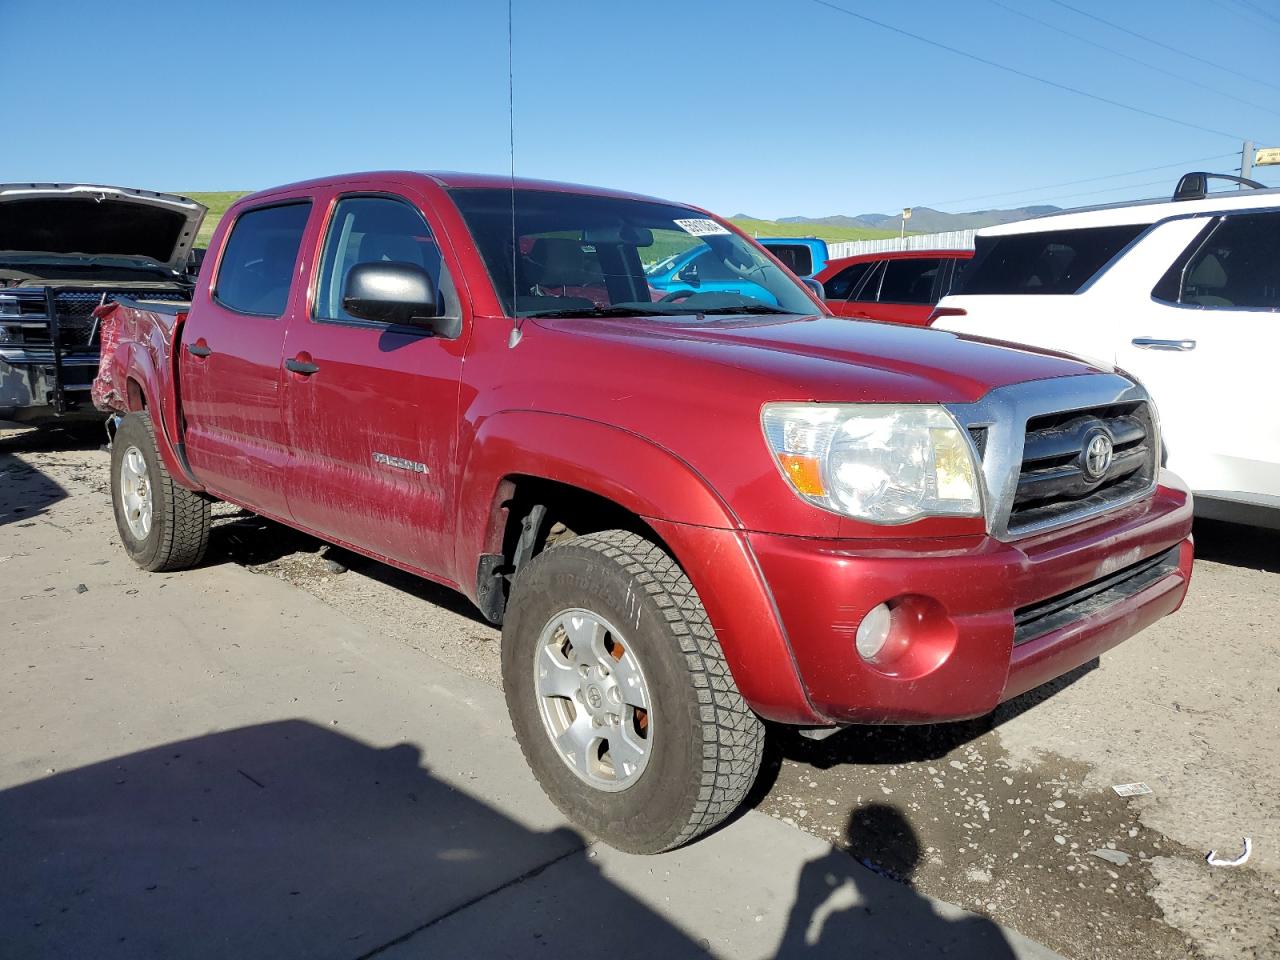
(514, 338)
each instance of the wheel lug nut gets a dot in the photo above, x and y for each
(614, 695)
(613, 719)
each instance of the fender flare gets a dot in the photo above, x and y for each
(139, 366)
(650, 481)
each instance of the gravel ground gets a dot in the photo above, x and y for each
(1012, 815)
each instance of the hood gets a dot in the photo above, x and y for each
(89, 220)
(839, 360)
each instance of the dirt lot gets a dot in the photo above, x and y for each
(1012, 816)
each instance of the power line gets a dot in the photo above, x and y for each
(1250, 5)
(1022, 73)
(1244, 14)
(1165, 46)
(1181, 164)
(1143, 63)
(1094, 193)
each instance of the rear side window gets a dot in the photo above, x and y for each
(1053, 262)
(910, 281)
(1237, 265)
(842, 285)
(257, 264)
(869, 292)
(796, 257)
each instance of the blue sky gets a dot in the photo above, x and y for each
(768, 107)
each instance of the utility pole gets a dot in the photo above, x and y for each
(1246, 161)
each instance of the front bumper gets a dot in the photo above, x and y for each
(958, 599)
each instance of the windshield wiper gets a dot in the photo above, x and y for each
(745, 308)
(586, 312)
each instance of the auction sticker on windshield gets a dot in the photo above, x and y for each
(701, 228)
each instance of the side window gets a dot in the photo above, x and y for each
(257, 265)
(1238, 265)
(372, 230)
(953, 279)
(870, 289)
(846, 281)
(796, 257)
(1043, 262)
(909, 281)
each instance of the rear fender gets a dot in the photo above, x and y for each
(138, 367)
(653, 483)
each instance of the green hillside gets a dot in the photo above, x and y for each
(217, 203)
(771, 228)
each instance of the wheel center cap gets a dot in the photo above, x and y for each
(595, 699)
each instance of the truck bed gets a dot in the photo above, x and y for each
(133, 331)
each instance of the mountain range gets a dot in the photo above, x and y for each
(923, 219)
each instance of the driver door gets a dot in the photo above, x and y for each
(372, 407)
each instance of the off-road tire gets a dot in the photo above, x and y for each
(180, 518)
(707, 742)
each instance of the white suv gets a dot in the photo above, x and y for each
(1184, 295)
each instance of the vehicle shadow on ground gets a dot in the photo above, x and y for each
(25, 491)
(1237, 545)
(888, 744)
(288, 839)
(243, 538)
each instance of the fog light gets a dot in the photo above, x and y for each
(873, 631)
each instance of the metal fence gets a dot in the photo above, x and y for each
(951, 240)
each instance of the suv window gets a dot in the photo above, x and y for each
(1238, 265)
(796, 257)
(1052, 262)
(256, 270)
(870, 290)
(369, 230)
(909, 280)
(846, 281)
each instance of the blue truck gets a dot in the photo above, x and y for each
(692, 269)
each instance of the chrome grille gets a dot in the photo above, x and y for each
(1055, 476)
(1029, 439)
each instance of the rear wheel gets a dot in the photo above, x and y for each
(620, 695)
(162, 526)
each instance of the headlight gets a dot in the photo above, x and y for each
(884, 463)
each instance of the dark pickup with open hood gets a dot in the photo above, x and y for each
(89, 220)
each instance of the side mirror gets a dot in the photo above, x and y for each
(816, 287)
(392, 292)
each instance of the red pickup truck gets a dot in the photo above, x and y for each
(691, 513)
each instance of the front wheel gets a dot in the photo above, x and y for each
(162, 526)
(620, 695)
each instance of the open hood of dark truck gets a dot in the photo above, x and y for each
(90, 220)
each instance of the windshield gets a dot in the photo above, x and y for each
(583, 255)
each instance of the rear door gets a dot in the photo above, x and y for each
(229, 363)
(908, 290)
(373, 414)
(1205, 343)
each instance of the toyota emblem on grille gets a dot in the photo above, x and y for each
(1098, 451)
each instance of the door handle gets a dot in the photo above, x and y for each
(199, 348)
(1151, 343)
(304, 367)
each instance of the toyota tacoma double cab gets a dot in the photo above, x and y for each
(693, 513)
(65, 249)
